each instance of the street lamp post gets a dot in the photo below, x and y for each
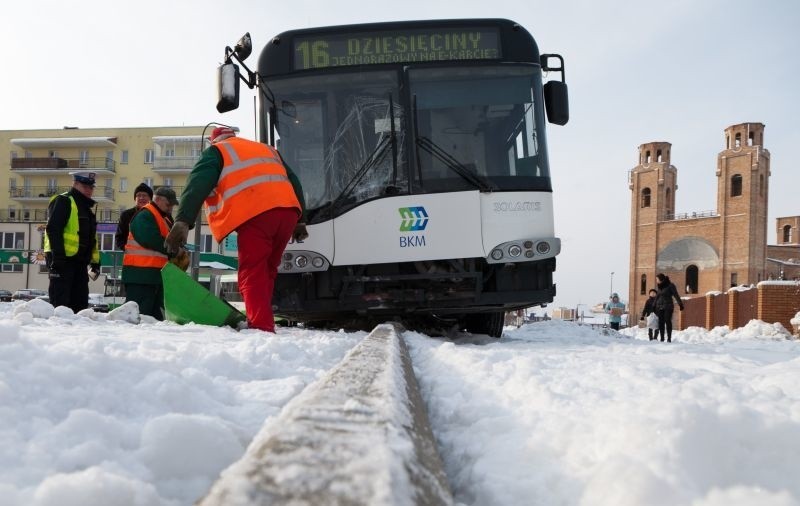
(611, 287)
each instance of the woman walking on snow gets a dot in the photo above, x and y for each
(664, 305)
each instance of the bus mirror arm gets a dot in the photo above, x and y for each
(250, 80)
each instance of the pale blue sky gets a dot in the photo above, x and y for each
(637, 71)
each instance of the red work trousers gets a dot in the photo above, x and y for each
(262, 240)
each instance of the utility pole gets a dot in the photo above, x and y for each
(611, 287)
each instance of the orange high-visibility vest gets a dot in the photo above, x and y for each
(137, 255)
(253, 180)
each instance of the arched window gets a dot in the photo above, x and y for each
(643, 285)
(727, 142)
(736, 185)
(692, 275)
(787, 233)
(646, 197)
(647, 157)
(737, 143)
(658, 156)
(750, 138)
(668, 201)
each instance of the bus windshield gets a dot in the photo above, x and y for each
(335, 133)
(474, 127)
(488, 120)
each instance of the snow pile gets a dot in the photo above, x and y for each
(106, 412)
(551, 414)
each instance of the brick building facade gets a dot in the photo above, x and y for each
(701, 251)
(783, 258)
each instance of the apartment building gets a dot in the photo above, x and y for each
(35, 166)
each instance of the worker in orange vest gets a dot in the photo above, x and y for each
(145, 253)
(246, 188)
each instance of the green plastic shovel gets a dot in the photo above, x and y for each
(186, 300)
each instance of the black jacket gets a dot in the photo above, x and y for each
(59, 211)
(649, 306)
(666, 292)
(123, 227)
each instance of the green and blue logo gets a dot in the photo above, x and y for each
(414, 219)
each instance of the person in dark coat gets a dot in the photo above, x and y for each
(145, 254)
(649, 308)
(143, 194)
(70, 243)
(664, 306)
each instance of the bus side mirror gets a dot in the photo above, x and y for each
(556, 102)
(227, 87)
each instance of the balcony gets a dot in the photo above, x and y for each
(101, 166)
(690, 216)
(41, 215)
(34, 194)
(174, 164)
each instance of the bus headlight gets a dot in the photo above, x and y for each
(497, 254)
(543, 247)
(514, 250)
(317, 262)
(301, 261)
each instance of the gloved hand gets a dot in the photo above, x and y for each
(300, 233)
(181, 259)
(176, 237)
(681, 306)
(55, 263)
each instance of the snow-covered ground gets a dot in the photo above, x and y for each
(101, 411)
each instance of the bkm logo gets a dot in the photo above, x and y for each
(414, 219)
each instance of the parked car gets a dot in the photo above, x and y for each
(5, 296)
(28, 294)
(98, 303)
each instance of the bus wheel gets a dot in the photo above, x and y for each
(494, 323)
(485, 323)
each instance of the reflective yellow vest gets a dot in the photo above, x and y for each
(71, 239)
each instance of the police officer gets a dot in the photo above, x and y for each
(70, 243)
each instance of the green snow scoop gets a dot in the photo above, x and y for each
(186, 300)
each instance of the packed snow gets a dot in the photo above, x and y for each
(97, 409)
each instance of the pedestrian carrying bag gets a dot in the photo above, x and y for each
(652, 321)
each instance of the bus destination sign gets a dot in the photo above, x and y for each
(394, 47)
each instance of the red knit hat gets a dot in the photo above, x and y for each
(221, 133)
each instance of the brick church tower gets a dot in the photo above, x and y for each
(700, 251)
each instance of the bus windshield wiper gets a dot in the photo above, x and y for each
(451, 163)
(372, 160)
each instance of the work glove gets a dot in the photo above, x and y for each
(54, 263)
(176, 237)
(94, 270)
(300, 233)
(181, 260)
